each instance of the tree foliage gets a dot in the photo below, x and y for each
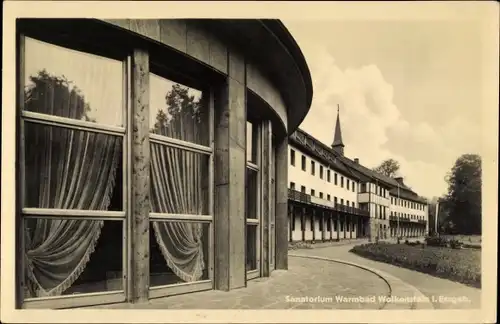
(462, 204)
(182, 109)
(389, 167)
(56, 95)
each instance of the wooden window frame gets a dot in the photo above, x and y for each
(256, 222)
(23, 117)
(162, 71)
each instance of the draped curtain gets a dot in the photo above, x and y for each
(177, 187)
(65, 169)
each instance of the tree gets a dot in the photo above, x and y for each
(45, 87)
(389, 167)
(463, 201)
(181, 116)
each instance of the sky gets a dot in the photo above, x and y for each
(408, 90)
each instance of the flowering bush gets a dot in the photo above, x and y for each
(459, 265)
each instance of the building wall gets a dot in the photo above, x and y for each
(417, 210)
(305, 178)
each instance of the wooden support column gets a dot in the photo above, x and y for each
(351, 227)
(229, 178)
(313, 224)
(323, 224)
(267, 198)
(281, 165)
(330, 220)
(338, 225)
(138, 279)
(345, 224)
(303, 223)
(291, 222)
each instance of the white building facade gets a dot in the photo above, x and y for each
(332, 197)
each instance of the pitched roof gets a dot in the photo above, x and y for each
(321, 151)
(348, 167)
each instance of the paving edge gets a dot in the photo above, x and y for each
(388, 278)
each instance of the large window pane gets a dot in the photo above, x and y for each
(177, 111)
(179, 252)
(251, 194)
(67, 83)
(65, 257)
(252, 140)
(72, 169)
(251, 255)
(179, 181)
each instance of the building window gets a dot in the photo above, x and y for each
(328, 197)
(292, 185)
(335, 200)
(347, 184)
(303, 163)
(313, 192)
(363, 188)
(354, 187)
(67, 167)
(335, 178)
(353, 204)
(252, 197)
(302, 189)
(321, 195)
(328, 176)
(321, 172)
(342, 182)
(292, 157)
(341, 201)
(179, 112)
(313, 168)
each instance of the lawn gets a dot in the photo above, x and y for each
(469, 240)
(461, 265)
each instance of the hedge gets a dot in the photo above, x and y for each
(463, 266)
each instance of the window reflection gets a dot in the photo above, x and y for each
(252, 138)
(72, 84)
(177, 111)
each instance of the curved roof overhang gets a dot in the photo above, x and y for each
(269, 45)
(265, 42)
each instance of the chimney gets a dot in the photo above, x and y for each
(356, 160)
(399, 179)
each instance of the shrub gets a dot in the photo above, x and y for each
(436, 241)
(455, 244)
(459, 265)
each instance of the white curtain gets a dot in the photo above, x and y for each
(177, 189)
(178, 184)
(65, 169)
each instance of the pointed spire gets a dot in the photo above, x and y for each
(338, 144)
